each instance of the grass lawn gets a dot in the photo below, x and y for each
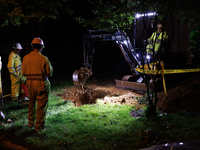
(93, 126)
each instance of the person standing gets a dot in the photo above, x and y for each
(156, 39)
(37, 68)
(14, 67)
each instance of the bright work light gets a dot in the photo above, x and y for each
(125, 42)
(148, 57)
(148, 14)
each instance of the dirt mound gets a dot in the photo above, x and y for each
(183, 97)
(108, 94)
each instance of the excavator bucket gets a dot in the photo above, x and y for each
(122, 40)
(132, 82)
(79, 78)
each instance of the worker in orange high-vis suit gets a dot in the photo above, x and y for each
(14, 66)
(37, 68)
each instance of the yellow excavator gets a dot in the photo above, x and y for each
(81, 75)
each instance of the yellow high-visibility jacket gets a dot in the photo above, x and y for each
(14, 64)
(156, 41)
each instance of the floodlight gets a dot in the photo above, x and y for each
(147, 14)
(148, 57)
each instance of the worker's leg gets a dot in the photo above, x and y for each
(32, 103)
(15, 87)
(42, 104)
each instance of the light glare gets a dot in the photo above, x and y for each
(125, 42)
(148, 57)
(181, 143)
(148, 14)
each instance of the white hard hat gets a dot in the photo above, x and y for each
(17, 46)
(37, 40)
(159, 25)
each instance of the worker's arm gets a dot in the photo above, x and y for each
(10, 65)
(51, 69)
(162, 38)
(166, 37)
(48, 68)
(149, 40)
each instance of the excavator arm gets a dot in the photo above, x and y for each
(81, 75)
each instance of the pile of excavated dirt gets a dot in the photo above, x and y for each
(107, 94)
(185, 96)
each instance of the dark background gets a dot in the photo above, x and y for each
(64, 48)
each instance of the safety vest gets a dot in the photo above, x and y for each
(14, 64)
(155, 41)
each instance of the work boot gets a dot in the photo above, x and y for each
(26, 98)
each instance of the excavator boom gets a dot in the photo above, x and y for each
(81, 75)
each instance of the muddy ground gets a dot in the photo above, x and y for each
(183, 94)
(106, 94)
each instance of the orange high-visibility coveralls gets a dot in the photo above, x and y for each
(37, 68)
(14, 66)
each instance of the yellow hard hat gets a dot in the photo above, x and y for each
(37, 40)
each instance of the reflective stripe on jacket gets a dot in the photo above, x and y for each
(155, 41)
(14, 64)
(161, 35)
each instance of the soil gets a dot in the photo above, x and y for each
(106, 94)
(183, 94)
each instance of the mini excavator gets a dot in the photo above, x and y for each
(81, 75)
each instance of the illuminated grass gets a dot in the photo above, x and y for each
(99, 126)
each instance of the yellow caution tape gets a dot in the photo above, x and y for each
(167, 71)
(163, 71)
(164, 86)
